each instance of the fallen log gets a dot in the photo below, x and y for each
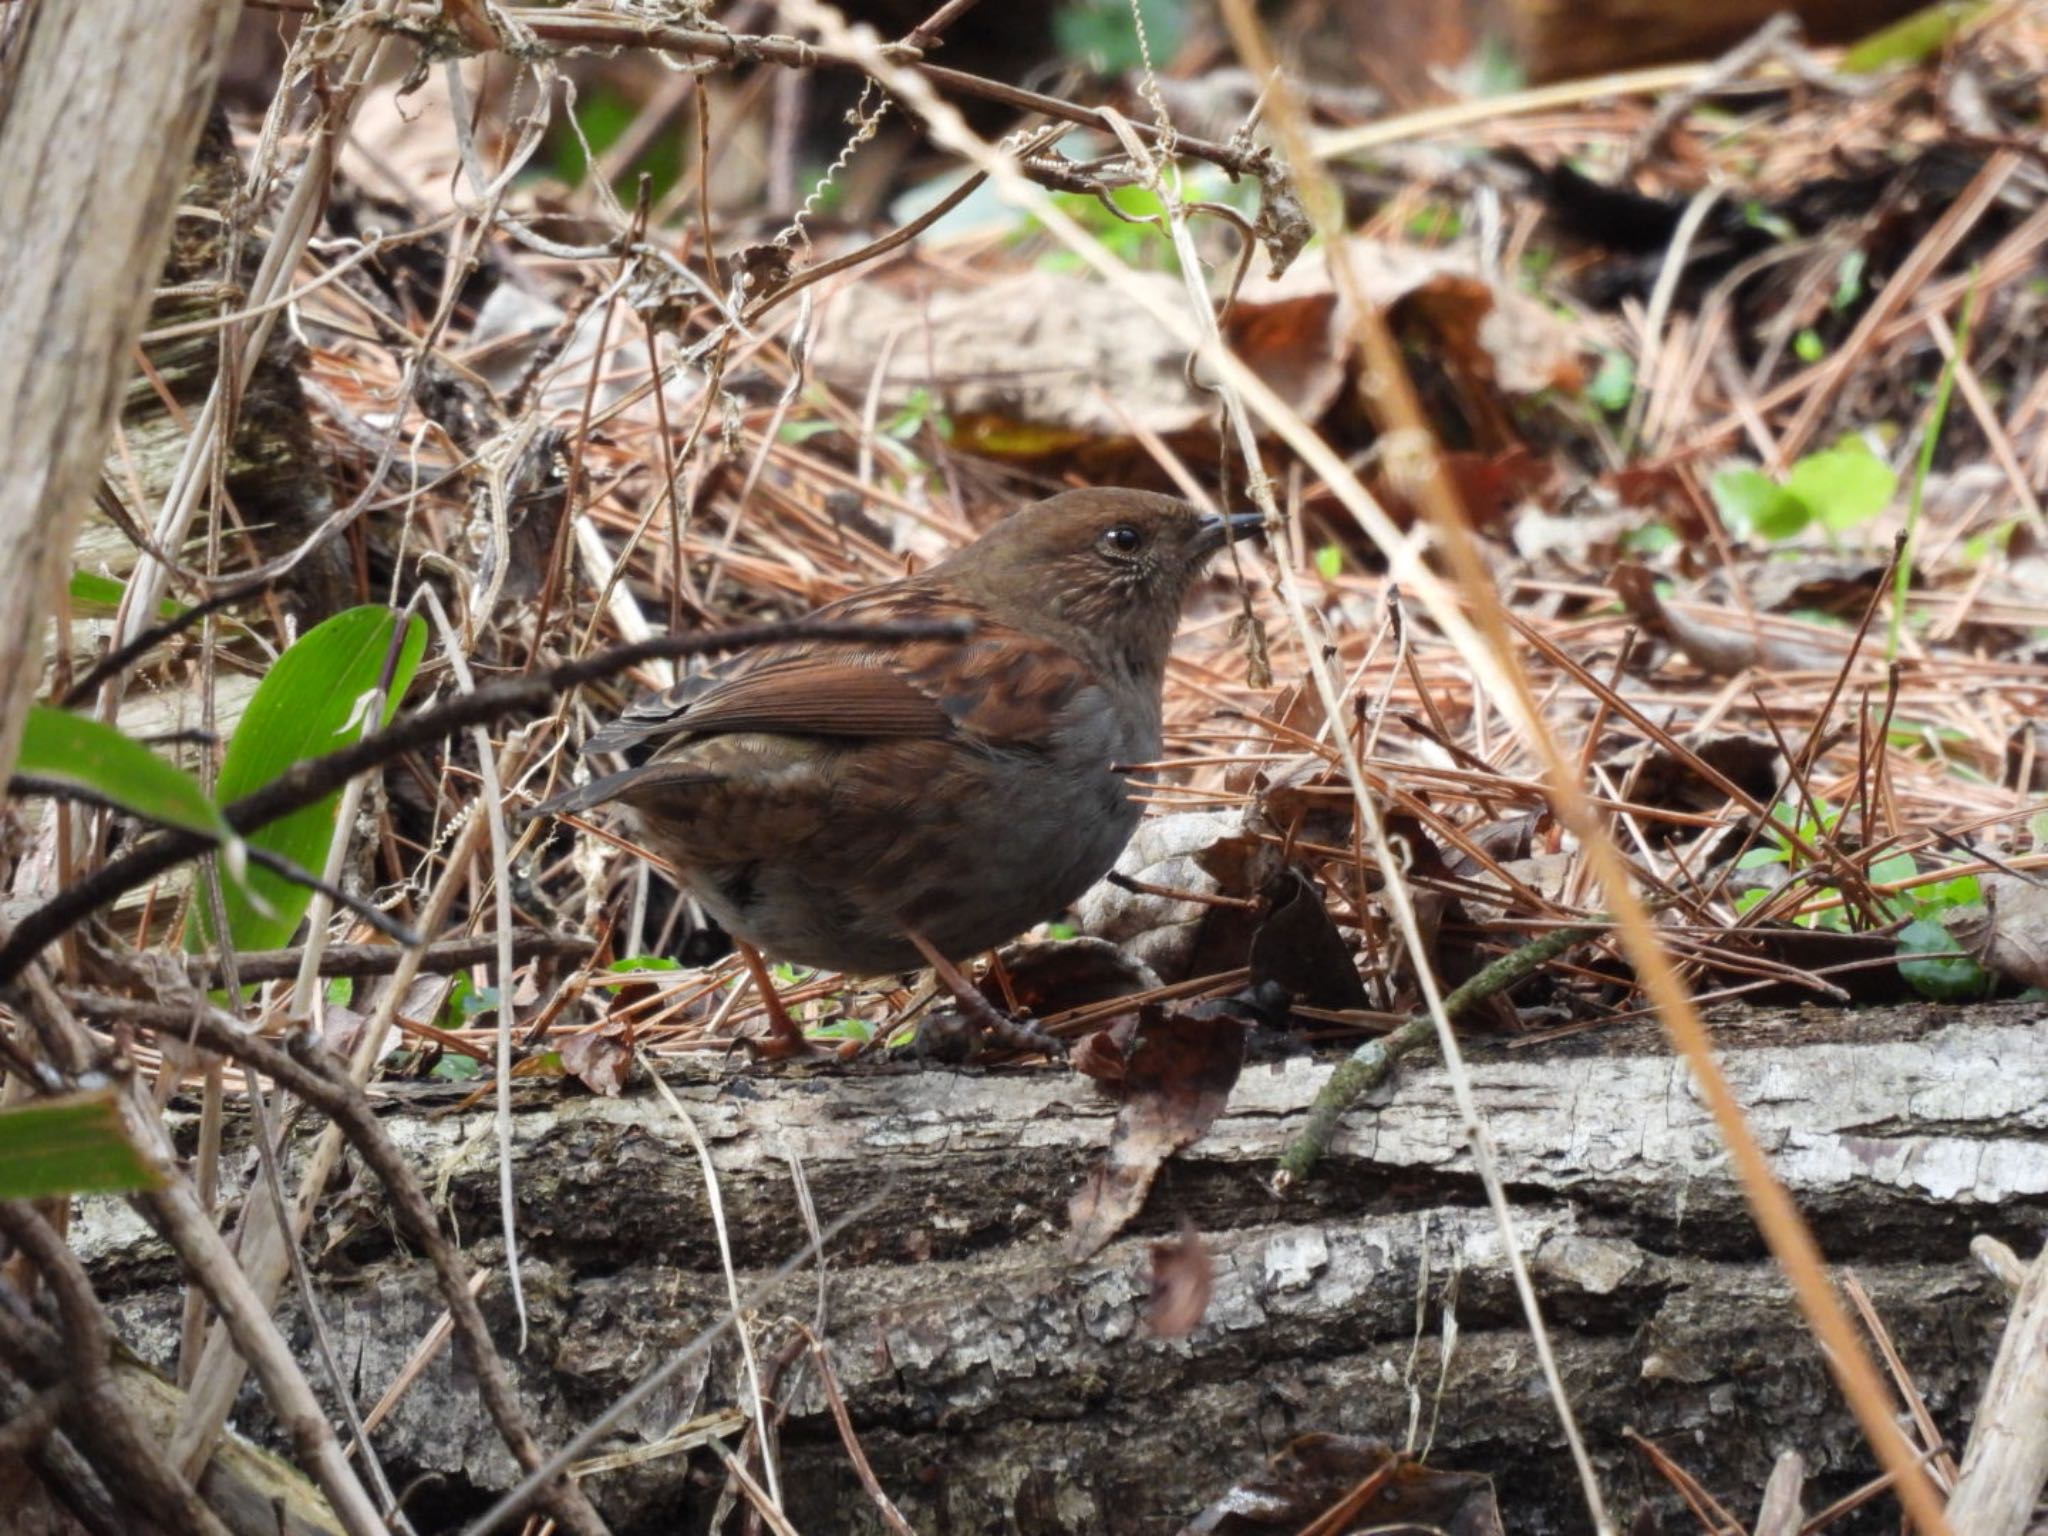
(994, 1385)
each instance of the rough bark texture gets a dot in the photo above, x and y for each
(998, 1387)
(95, 138)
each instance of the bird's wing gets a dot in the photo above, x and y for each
(815, 694)
(997, 684)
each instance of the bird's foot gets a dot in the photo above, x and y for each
(784, 1040)
(1020, 1033)
(794, 1046)
(964, 1033)
(990, 1027)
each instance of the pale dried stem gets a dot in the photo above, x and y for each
(2005, 1465)
(490, 807)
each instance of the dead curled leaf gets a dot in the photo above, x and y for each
(601, 1057)
(1101, 1055)
(1493, 334)
(2016, 943)
(1298, 948)
(1051, 976)
(1178, 1070)
(1183, 1278)
(1168, 853)
(1724, 641)
(1674, 780)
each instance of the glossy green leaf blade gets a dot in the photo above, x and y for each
(70, 1145)
(308, 705)
(89, 755)
(93, 593)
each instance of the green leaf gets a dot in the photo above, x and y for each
(75, 1144)
(1757, 858)
(1952, 979)
(1844, 486)
(841, 1029)
(1329, 562)
(93, 593)
(636, 965)
(90, 590)
(465, 1000)
(1614, 384)
(1650, 539)
(1829, 920)
(1750, 501)
(1849, 281)
(1772, 223)
(1911, 39)
(308, 705)
(1808, 347)
(89, 755)
(1946, 895)
(1101, 32)
(1890, 871)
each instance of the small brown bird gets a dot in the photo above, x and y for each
(867, 807)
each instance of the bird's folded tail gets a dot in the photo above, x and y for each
(619, 786)
(647, 718)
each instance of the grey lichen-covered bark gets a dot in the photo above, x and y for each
(998, 1387)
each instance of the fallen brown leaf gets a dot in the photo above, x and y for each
(601, 1057)
(2017, 945)
(1101, 1055)
(1178, 1072)
(1725, 642)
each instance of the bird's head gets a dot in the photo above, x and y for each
(1104, 571)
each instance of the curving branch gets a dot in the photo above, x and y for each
(572, 29)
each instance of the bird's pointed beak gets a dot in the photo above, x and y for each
(1216, 531)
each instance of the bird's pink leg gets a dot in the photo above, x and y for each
(784, 1039)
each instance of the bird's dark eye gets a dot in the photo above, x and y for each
(1123, 539)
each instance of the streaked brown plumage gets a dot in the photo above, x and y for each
(858, 807)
